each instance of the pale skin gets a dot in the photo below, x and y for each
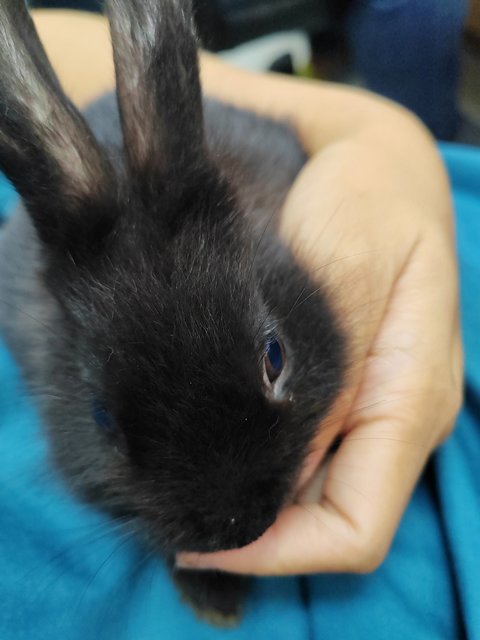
(371, 216)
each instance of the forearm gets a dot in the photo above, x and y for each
(378, 143)
(392, 151)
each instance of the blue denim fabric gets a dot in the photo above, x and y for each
(408, 50)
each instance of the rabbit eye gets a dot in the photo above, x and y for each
(102, 417)
(274, 358)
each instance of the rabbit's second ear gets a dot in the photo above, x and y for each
(46, 148)
(158, 88)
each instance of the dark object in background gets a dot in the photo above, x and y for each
(80, 5)
(223, 24)
(226, 23)
(284, 64)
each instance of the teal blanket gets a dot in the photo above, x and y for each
(66, 572)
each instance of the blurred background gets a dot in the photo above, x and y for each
(424, 54)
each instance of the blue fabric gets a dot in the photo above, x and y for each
(67, 572)
(409, 51)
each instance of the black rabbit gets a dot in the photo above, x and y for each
(181, 357)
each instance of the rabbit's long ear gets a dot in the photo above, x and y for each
(46, 148)
(158, 87)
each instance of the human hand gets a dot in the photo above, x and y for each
(384, 244)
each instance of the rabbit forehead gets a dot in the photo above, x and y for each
(204, 297)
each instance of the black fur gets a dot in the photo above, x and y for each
(46, 149)
(150, 282)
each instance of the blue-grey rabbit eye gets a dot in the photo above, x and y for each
(274, 358)
(102, 417)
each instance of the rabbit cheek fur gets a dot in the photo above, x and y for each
(141, 278)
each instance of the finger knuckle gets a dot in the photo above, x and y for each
(456, 401)
(452, 406)
(368, 554)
